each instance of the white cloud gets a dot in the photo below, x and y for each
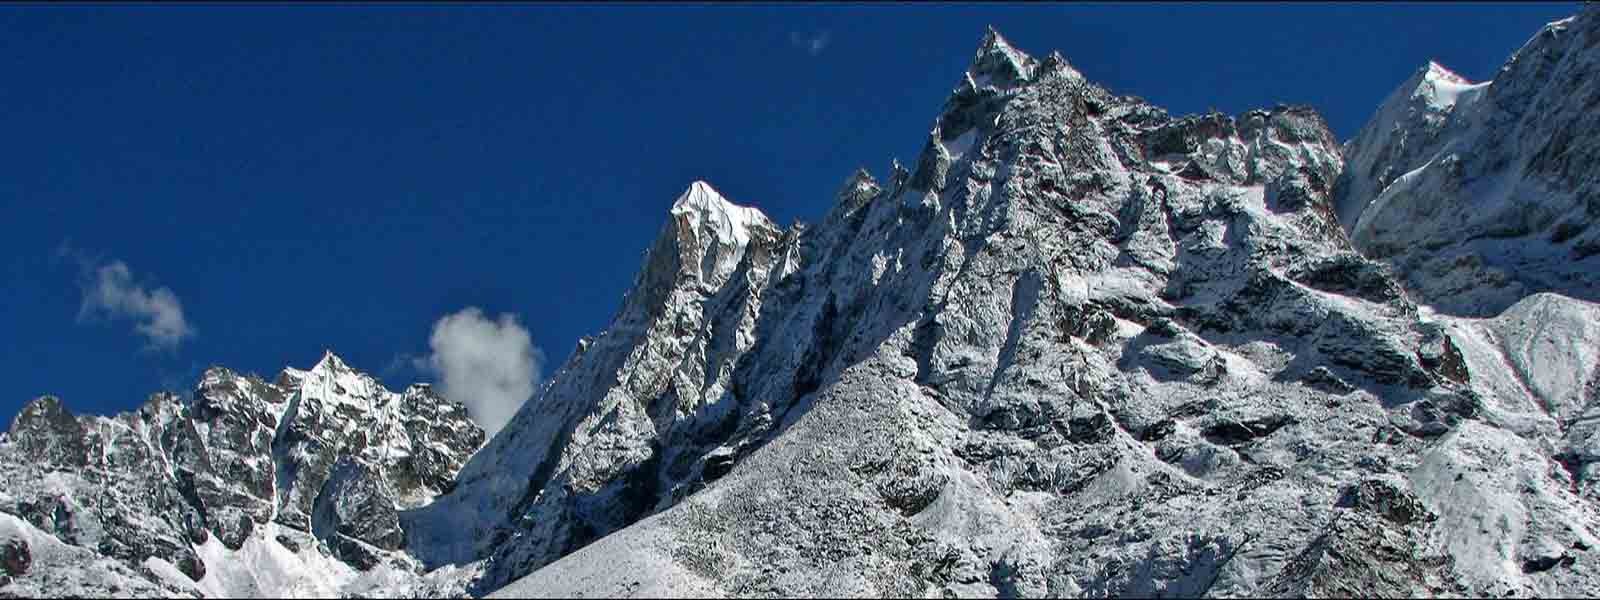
(813, 43)
(491, 366)
(109, 291)
(400, 362)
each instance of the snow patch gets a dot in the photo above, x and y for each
(959, 147)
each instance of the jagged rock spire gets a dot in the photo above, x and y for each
(330, 362)
(998, 63)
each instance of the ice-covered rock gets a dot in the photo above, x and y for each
(1482, 194)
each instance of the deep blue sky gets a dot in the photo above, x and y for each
(312, 176)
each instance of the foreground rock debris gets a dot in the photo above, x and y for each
(1080, 348)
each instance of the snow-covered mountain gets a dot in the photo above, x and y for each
(245, 488)
(1482, 194)
(1084, 347)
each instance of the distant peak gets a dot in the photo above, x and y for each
(330, 362)
(861, 177)
(701, 186)
(46, 410)
(1434, 71)
(992, 39)
(46, 404)
(997, 61)
(702, 207)
(699, 195)
(1433, 86)
(898, 174)
(860, 186)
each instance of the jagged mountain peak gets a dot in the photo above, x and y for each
(998, 63)
(213, 495)
(1437, 85)
(1483, 193)
(45, 410)
(699, 194)
(1434, 70)
(704, 209)
(330, 363)
(1404, 133)
(332, 376)
(44, 404)
(1102, 352)
(861, 182)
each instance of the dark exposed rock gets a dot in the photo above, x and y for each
(15, 557)
(1440, 356)
(1094, 429)
(717, 466)
(192, 566)
(1365, 555)
(357, 503)
(1233, 433)
(1323, 379)
(288, 542)
(47, 433)
(1350, 275)
(1387, 500)
(357, 554)
(1545, 563)
(1160, 430)
(1184, 136)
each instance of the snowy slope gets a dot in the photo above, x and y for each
(1085, 348)
(1482, 194)
(1405, 133)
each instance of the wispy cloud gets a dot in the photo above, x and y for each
(491, 366)
(812, 43)
(110, 292)
(401, 362)
(182, 382)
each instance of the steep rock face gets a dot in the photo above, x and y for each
(116, 492)
(356, 508)
(634, 413)
(231, 423)
(357, 503)
(1482, 194)
(183, 482)
(1086, 348)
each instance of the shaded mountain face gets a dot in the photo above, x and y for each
(1081, 348)
(1482, 194)
(179, 494)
